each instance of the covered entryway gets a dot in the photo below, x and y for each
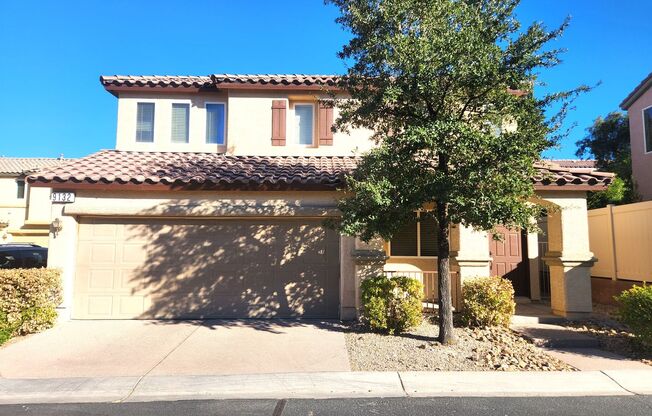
(218, 268)
(508, 260)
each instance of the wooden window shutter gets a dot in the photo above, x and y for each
(278, 122)
(325, 121)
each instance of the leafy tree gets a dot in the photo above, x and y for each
(441, 83)
(608, 142)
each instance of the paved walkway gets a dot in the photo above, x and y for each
(134, 348)
(581, 351)
(327, 385)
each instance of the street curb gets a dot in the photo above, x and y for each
(322, 385)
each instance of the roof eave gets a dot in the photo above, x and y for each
(636, 93)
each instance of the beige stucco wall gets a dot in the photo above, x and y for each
(249, 124)
(28, 217)
(198, 205)
(641, 161)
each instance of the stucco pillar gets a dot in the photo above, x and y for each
(533, 264)
(348, 281)
(569, 256)
(469, 252)
(62, 251)
(369, 259)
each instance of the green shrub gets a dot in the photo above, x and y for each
(487, 301)
(28, 300)
(392, 305)
(635, 310)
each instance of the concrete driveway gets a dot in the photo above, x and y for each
(138, 348)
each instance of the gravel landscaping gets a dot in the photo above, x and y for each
(491, 349)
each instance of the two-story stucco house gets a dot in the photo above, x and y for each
(212, 205)
(24, 211)
(638, 105)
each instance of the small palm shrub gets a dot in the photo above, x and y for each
(392, 305)
(635, 310)
(487, 301)
(28, 300)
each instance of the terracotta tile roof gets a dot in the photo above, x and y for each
(213, 170)
(25, 165)
(574, 163)
(156, 80)
(203, 170)
(217, 80)
(552, 174)
(637, 92)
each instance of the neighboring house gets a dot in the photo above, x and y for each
(638, 105)
(24, 212)
(213, 201)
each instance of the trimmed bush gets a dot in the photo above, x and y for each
(392, 305)
(487, 301)
(28, 300)
(635, 310)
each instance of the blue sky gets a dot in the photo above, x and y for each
(52, 53)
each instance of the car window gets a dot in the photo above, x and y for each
(8, 261)
(32, 259)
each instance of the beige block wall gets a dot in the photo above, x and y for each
(249, 124)
(641, 160)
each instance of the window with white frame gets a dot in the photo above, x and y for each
(145, 122)
(418, 238)
(180, 122)
(215, 123)
(647, 127)
(304, 123)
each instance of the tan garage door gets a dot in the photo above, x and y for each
(162, 268)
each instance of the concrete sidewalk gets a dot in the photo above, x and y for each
(326, 385)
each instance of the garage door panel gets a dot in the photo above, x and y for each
(206, 269)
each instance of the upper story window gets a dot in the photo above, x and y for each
(647, 127)
(145, 123)
(180, 122)
(20, 189)
(304, 123)
(418, 238)
(215, 123)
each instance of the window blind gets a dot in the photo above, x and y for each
(180, 116)
(145, 122)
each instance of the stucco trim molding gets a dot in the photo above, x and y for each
(369, 256)
(555, 258)
(202, 210)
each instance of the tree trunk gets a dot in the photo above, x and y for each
(446, 334)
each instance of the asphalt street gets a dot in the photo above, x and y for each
(467, 406)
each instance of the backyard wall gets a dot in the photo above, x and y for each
(621, 238)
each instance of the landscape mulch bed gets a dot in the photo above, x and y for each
(489, 349)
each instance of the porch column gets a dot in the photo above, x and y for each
(469, 252)
(348, 279)
(369, 259)
(569, 256)
(62, 253)
(533, 264)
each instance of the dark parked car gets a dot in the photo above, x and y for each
(22, 256)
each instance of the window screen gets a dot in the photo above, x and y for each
(647, 121)
(215, 123)
(180, 118)
(404, 242)
(145, 123)
(429, 238)
(303, 116)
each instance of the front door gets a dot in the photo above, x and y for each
(508, 260)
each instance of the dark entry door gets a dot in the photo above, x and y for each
(509, 260)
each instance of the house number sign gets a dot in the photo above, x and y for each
(62, 197)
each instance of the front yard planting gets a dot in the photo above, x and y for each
(28, 301)
(477, 349)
